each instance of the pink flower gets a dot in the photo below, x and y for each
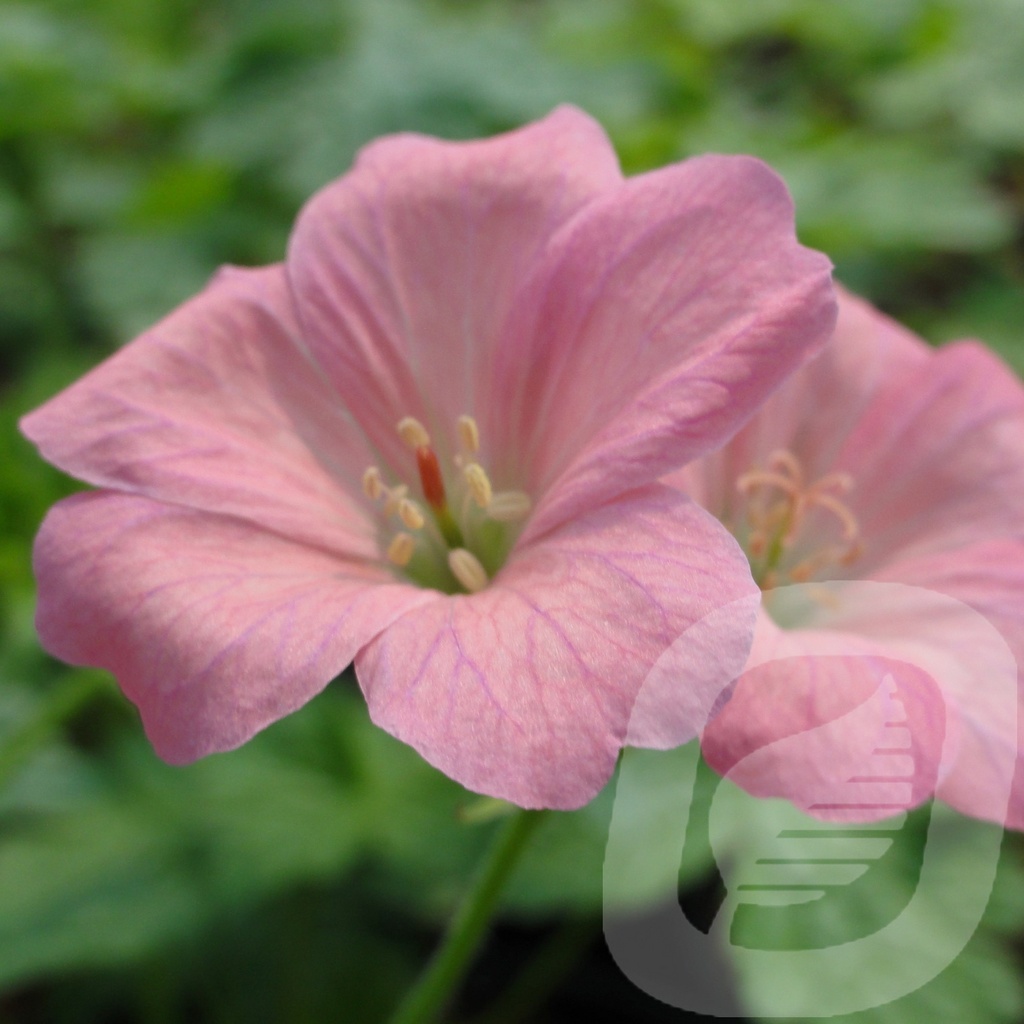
(430, 442)
(886, 461)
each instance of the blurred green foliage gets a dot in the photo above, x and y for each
(145, 142)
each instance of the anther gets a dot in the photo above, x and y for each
(401, 548)
(373, 486)
(478, 483)
(765, 478)
(393, 498)
(841, 482)
(413, 433)
(469, 434)
(846, 518)
(783, 459)
(509, 506)
(410, 514)
(466, 568)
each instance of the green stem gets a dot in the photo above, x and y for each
(525, 997)
(438, 982)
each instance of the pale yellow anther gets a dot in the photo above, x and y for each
(777, 520)
(413, 433)
(765, 478)
(401, 549)
(785, 460)
(509, 506)
(410, 514)
(373, 486)
(469, 434)
(478, 483)
(394, 496)
(841, 482)
(846, 518)
(466, 568)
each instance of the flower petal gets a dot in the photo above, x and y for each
(938, 457)
(405, 269)
(988, 577)
(217, 408)
(933, 440)
(840, 726)
(524, 690)
(661, 316)
(212, 627)
(816, 409)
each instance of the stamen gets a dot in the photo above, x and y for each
(758, 543)
(466, 568)
(401, 548)
(413, 433)
(804, 570)
(509, 506)
(762, 478)
(469, 434)
(373, 486)
(394, 496)
(478, 483)
(841, 482)
(410, 514)
(786, 460)
(430, 522)
(840, 511)
(779, 499)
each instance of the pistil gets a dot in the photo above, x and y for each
(452, 543)
(431, 480)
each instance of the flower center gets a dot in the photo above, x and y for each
(777, 529)
(458, 537)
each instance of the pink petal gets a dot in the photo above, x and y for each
(524, 690)
(844, 729)
(216, 408)
(405, 269)
(213, 628)
(938, 458)
(659, 319)
(934, 442)
(988, 577)
(933, 439)
(816, 409)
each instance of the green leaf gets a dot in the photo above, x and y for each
(154, 854)
(980, 984)
(135, 279)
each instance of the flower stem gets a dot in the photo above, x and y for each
(467, 929)
(525, 997)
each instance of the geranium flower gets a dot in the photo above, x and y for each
(887, 461)
(430, 442)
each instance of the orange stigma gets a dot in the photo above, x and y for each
(457, 537)
(430, 477)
